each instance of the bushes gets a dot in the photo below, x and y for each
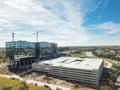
(105, 87)
(110, 79)
(2, 57)
(24, 86)
(6, 88)
(117, 66)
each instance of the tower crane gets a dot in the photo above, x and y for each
(37, 51)
(37, 33)
(13, 35)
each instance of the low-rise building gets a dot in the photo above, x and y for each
(82, 70)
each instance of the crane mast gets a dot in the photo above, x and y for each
(37, 34)
(13, 35)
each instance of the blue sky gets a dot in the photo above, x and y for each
(67, 22)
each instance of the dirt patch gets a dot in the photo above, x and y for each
(107, 64)
(4, 69)
(55, 81)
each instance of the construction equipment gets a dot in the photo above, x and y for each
(37, 33)
(13, 34)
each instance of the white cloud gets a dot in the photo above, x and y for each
(18, 4)
(108, 27)
(62, 19)
(16, 14)
(0, 29)
(90, 5)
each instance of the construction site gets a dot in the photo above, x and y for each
(40, 61)
(21, 54)
(41, 77)
(86, 71)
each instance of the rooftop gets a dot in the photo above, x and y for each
(78, 63)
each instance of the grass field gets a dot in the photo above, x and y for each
(8, 84)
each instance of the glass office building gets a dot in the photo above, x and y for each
(16, 51)
(23, 53)
(45, 49)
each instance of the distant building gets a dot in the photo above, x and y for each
(99, 51)
(86, 71)
(89, 54)
(23, 53)
(63, 53)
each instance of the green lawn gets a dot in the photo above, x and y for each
(8, 84)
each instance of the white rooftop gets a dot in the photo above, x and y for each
(78, 63)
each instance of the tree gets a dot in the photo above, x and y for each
(105, 88)
(70, 53)
(83, 53)
(24, 86)
(111, 83)
(7, 88)
(2, 57)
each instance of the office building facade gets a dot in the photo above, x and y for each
(19, 53)
(45, 49)
(23, 53)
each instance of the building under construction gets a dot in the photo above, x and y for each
(21, 54)
(86, 71)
